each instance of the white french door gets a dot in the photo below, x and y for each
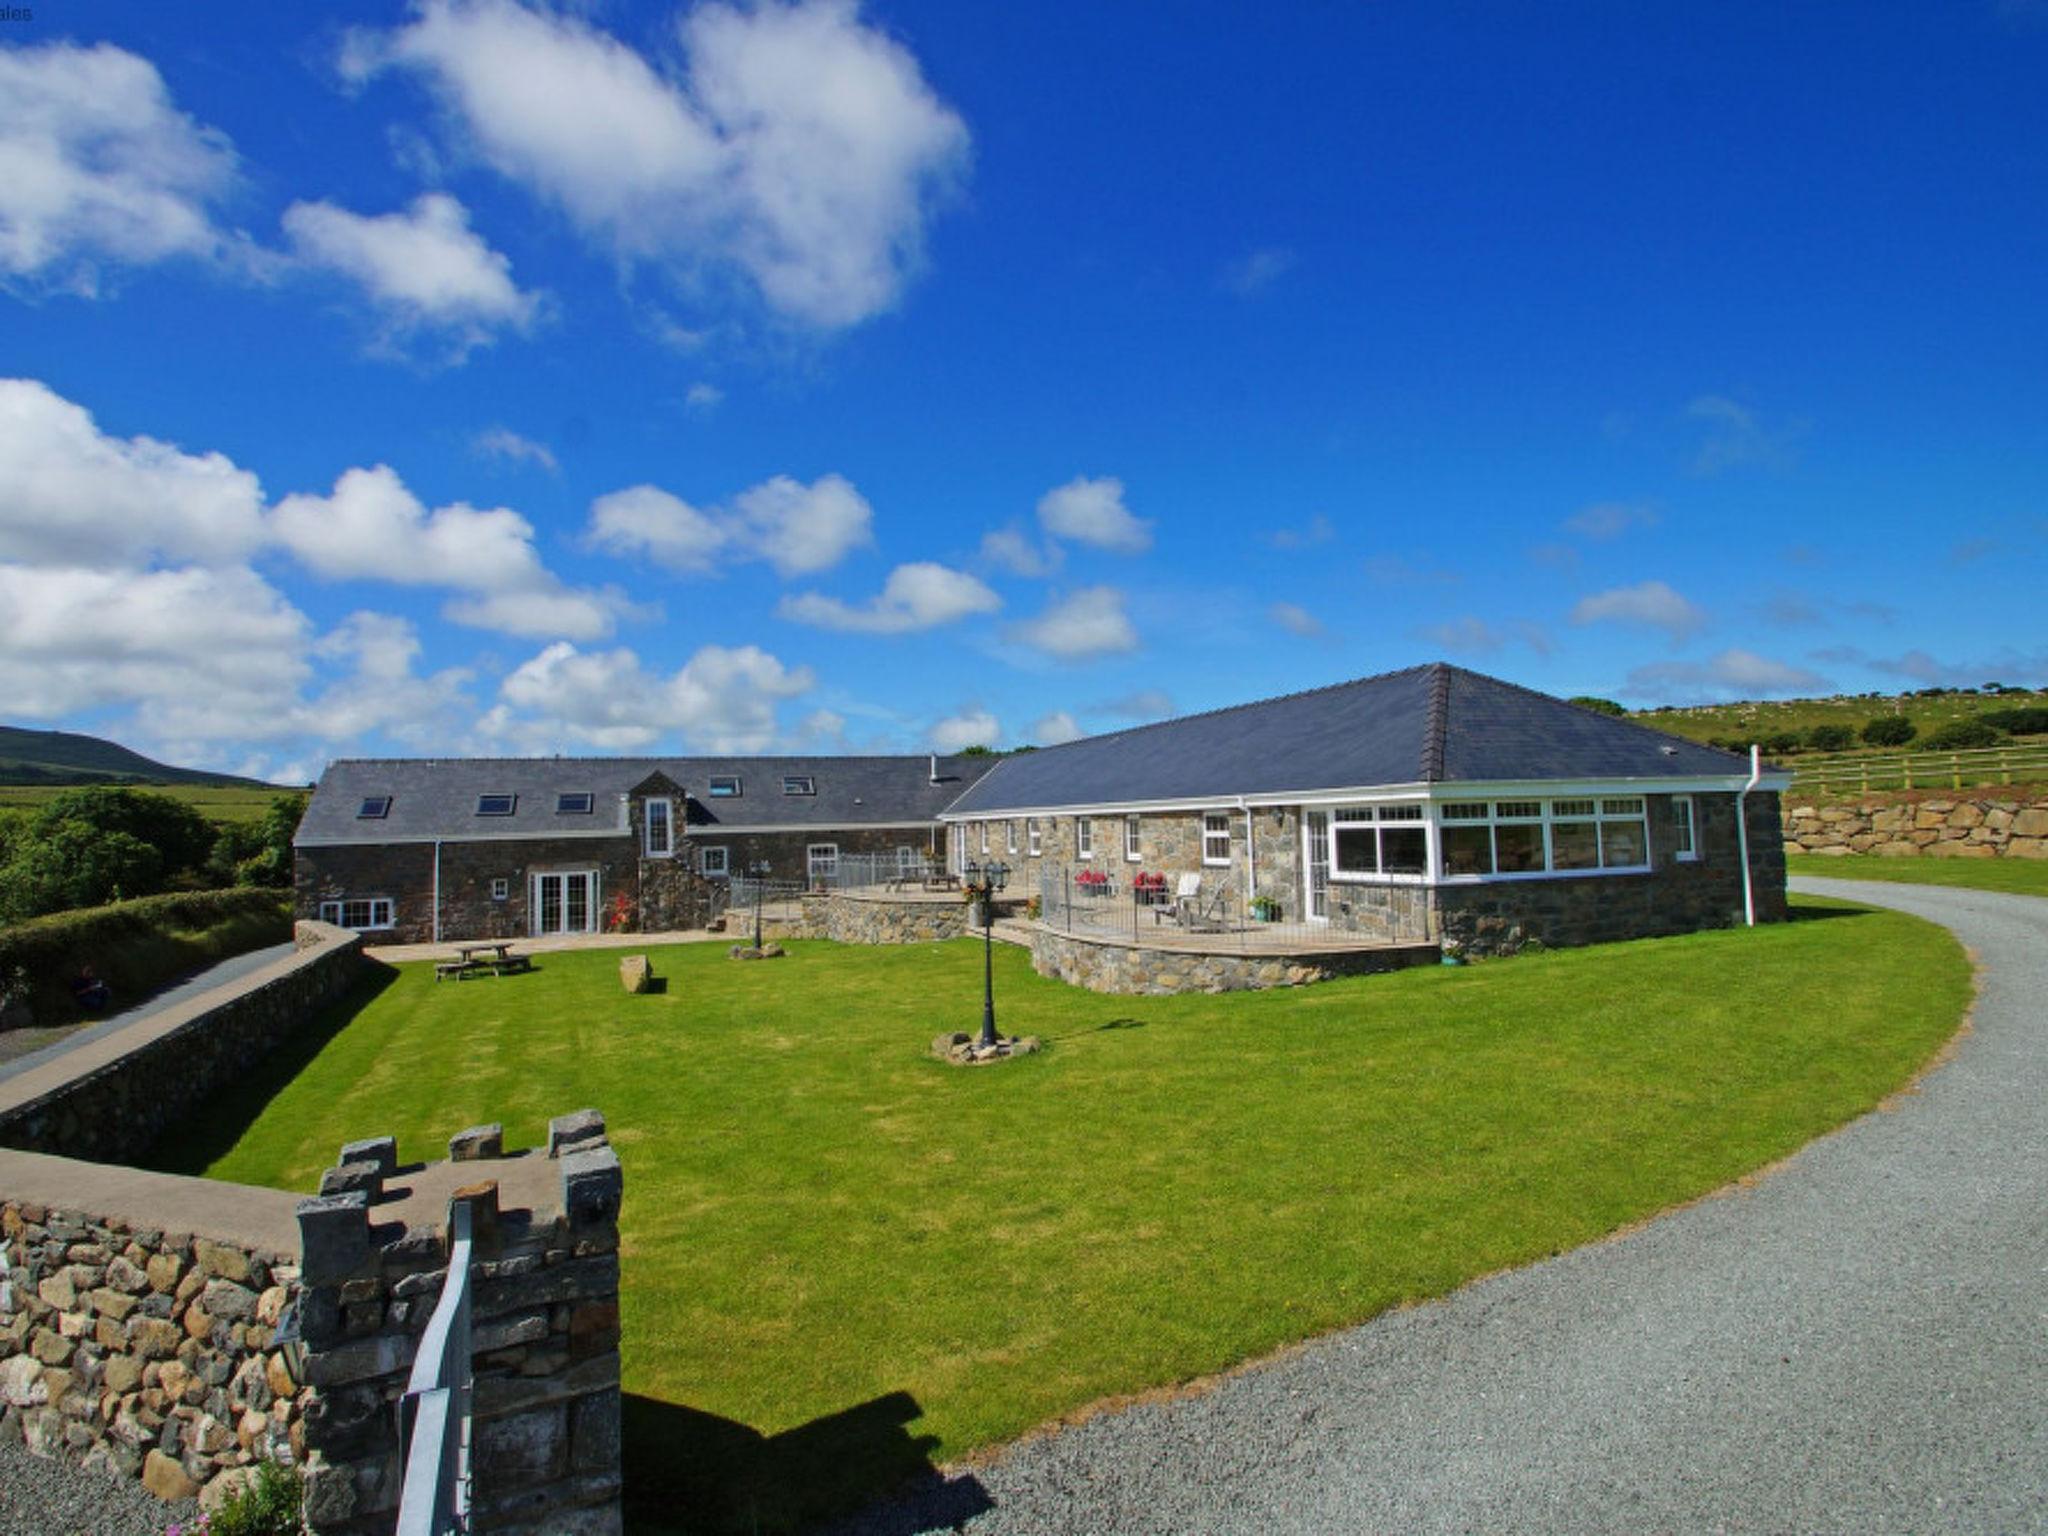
(564, 903)
(1315, 831)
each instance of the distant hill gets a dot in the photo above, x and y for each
(1762, 720)
(63, 757)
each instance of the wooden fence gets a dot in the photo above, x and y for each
(1854, 772)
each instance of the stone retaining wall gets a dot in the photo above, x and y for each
(855, 917)
(111, 1107)
(1110, 965)
(544, 1323)
(1980, 825)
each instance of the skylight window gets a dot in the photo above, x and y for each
(799, 784)
(725, 787)
(374, 807)
(496, 805)
(578, 803)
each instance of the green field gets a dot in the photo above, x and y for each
(215, 803)
(2020, 877)
(844, 1260)
(1753, 719)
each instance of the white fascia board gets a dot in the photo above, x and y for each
(415, 839)
(1578, 789)
(721, 830)
(1204, 803)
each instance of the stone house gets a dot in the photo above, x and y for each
(416, 850)
(1432, 801)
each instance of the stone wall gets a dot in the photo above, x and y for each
(403, 872)
(544, 1328)
(136, 1350)
(852, 917)
(1501, 916)
(1979, 824)
(1110, 965)
(109, 1101)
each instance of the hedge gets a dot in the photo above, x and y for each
(138, 946)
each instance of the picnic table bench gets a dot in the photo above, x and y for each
(492, 958)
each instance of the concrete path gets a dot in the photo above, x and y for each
(1857, 1343)
(220, 974)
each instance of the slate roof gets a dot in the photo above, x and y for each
(1429, 724)
(437, 797)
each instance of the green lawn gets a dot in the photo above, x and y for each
(2021, 877)
(843, 1259)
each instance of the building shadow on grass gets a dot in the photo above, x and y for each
(204, 1136)
(1799, 913)
(690, 1473)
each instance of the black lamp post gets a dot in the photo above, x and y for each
(982, 884)
(757, 871)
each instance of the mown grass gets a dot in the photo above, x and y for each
(2020, 877)
(1751, 719)
(216, 803)
(843, 1259)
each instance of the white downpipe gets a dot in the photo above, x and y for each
(1251, 851)
(437, 890)
(1756, 773)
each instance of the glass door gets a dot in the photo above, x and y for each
(564, 903)
(1315, 826)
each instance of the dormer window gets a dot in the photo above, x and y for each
(576, 803)
(496, 805)
(799, 784)
(724, 787)
(374, 808)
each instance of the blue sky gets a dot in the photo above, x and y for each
(477, 377)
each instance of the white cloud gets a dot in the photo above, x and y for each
(1610, 519)
(1733, 674)
(101, 167)
(921, 595)
(504, 443)
(1013, 550)
(71, 494)
(1258, 270)
(372, 527)
(383, 693)
(1056, 729)
(797, 528)
(425, 269)
(1145, 704)
(1319, 530)
(1090, 622)
(1474, 635)
(1737, 437)
(790, 142)
(1650, 604)
(703, 397)
(1295, 619)
(720, 700)
(1093, 512)
(969, 728)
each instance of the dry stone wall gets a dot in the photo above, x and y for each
(1983, 825)
(142, 1352)
(1109, 965)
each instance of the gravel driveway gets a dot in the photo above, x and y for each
(1858, 1343)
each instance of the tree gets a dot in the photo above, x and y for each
(1598, 705)
(257, 852)
(1889, 731)
(1960, 734)
(1830, 738)
(74, 864)
(181, 836)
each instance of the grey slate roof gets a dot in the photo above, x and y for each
(1429, 724)
(437, 797)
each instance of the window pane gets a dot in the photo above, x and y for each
(1404, 850)
(1465, 810)
(1632, 806)
(1518, 848)
(1466, 850)
(1572, 808)
(1519, 808)
(1621, 845)
(1352, 813)
(1358, 851)
(1400, 813)
(1681, 821)
(1575, 844)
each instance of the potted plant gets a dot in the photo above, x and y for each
(1265, 909)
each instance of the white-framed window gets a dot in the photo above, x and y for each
(1010, 836)
(724, 786)
(1133, 829)
(1084, 837)
(1684, 839)
(984, 839)
(1032, 841)
(578, 802)
(821, 860)
(1215, 837)
(1478, 839)
(661, 828)
(907, 859)
(1378, 840)
(713, 861)
(501, 889)
(496, 804)
(361, 913)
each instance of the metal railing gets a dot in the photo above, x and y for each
(1168, 910)
(434, 1415)
(855, 871)
(1840, 773)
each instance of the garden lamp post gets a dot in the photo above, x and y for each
(757, 872)
(982, 883)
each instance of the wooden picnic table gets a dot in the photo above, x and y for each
(487, 958)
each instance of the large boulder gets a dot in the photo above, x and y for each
(636, 975)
